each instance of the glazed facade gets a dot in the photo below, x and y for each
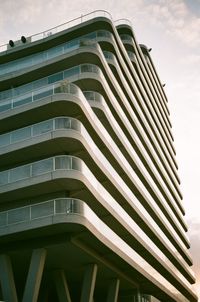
(91, 208)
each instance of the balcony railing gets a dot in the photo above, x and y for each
(62, 162)
(53, 52)
(41, 210)
(47, 88)
(126, 38)
(46, 126)
(93, 96)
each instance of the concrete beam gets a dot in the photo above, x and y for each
(7, 279)
(89, 283)
(113, 291)
(34, 277)
(61, 286)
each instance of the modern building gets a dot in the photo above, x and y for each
(90, 204)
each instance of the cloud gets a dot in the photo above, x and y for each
(176, 19)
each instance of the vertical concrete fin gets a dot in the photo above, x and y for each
(89, 283)
(113, 291)
(34, 277)
(7, 279)
(61, 286)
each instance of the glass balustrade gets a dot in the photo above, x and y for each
(42, 209)
(109, 55)
(45, 87)
(93, 96)
(38, 129)
(131, 55)
(85, 40)
(65, 162)
(125, 37)
(39, 168)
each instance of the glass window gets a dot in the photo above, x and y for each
(55, 51)
(22, 100)
(22, 89)
(55, 77)
(71, 72)
(5, 94)
(39, 83)
(5, 105)
(43, 92)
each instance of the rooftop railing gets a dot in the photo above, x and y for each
(54, 30)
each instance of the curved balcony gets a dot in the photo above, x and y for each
(59, 76)
(65, 210)
(53, 52)
(48, 90)
(148, 116)
(69, 123)
(69, 163)
(143, 69)
(123, 21)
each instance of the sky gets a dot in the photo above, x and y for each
(172, 29)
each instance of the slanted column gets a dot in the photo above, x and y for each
(113, 291)
(89, 283)
(7, 279)
(34, 277)
(61, 286)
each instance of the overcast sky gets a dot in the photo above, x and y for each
(172, 29)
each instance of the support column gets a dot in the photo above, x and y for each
(7, 279)
(61, 286)
(34, 277)
(89, 283)
(113, 291)
(138, 296)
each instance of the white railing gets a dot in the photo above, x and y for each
(54, 30)
(38, 129)
(48, 90)
(41, 210)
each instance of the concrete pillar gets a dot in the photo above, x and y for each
(138, 296)
(7, 279)
(113, 291)
(34, 277)
(61, 286)
(89, 283)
